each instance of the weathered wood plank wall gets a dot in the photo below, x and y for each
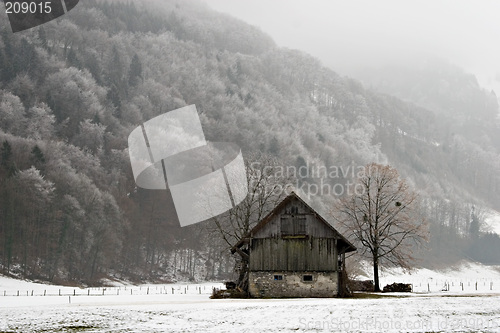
(311, 254)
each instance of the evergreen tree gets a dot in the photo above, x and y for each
(474, 226)
(38, 158)
(6, 158)
(135, 71)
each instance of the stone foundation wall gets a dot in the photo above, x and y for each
(293, 284)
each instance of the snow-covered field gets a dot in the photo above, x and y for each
(197, 313)
(466, 277)
(189, 309)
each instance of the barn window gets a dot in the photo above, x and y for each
(300, 225)
(307, 278)
(286, 226)
(293, 226)
(294, 210)
(278, 277)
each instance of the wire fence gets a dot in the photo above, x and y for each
(419, 285)
(455, 285)
(188, 289)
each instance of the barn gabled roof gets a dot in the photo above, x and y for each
(345, 244)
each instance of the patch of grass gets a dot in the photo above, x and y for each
(470, 295)
(375, 296)
(75, 328)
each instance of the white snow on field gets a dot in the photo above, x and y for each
(468, 277)
(492, 222)
(187, 308)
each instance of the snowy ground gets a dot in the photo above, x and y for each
(197, 313)
(189, 309)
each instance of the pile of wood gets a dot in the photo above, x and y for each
(397, 288)
(230, 285)
(361, 285)
(228, 293)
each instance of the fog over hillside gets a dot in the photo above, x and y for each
(353, 36)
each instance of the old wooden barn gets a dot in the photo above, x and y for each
(293, 252)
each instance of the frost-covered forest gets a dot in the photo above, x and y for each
(72, 90)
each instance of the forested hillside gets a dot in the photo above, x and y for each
(72, 90)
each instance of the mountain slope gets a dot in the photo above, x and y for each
(72, 90)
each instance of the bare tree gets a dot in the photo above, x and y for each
(381, 215)
(268, 184)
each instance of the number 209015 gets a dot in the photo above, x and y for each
(31, 7)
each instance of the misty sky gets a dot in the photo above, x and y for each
(347, 35)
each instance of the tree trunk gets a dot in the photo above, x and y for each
(94, 262)
(375, 274)
(243, 276)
